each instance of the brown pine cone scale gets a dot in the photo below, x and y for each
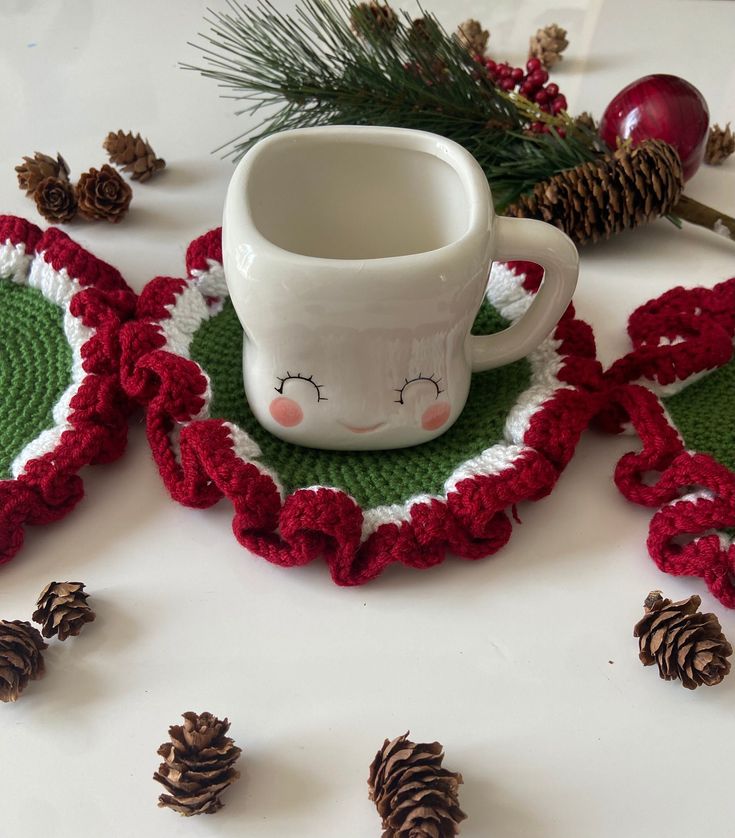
(198, 765)
(21, 660)
(414, 795)
(62, 609)
(103, 195)
(682, 642)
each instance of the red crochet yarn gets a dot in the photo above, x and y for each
(471, 522)
(701, 320)
(681, 334)
(50, 486)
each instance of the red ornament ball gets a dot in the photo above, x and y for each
(661, 107)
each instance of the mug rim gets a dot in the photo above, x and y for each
(481, 212)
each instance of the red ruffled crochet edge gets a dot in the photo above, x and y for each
(695, 493)
(50, 487)
(471, 523)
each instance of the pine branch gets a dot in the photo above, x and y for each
(311, 68)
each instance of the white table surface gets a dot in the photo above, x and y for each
(523, 664)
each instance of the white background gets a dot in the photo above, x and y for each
(523, 664)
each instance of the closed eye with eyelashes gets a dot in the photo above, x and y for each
(300, 377)
(420, 377)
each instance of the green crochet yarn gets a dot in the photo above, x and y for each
(372, 478)
(704, 414)
(35, 367)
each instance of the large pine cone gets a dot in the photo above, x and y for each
(56, 200)
(133, 154)
(414, 795)
(21, 660)
(103, 195)
(62, 609)
(618, 192)
(35, 169)
(198, 765)
(682, 642)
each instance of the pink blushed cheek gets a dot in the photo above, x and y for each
(286, 412)
(435, 416)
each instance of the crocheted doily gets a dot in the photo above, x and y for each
(361, 511)
(680, 400)
(61, 406)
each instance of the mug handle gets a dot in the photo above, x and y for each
(547, 246)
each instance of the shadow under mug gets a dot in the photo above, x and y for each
(357, 258)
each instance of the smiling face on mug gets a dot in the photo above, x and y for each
(368, 391)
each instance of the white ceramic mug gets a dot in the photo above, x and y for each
(356, 259)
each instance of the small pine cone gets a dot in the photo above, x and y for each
(720, 145)
(21, 660)
(420, 34)
(39, 167)
(198, 765)
(586, 120)
(134, 154)
(414, 795)
(548, 44)
(56, 200)
(103, 195)
(473, 37)
(62, 609)
(376, 20)
(432, 72)
(682, 642)
(617, 192)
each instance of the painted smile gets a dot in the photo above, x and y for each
(367, 430)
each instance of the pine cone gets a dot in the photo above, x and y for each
(473, 37)
(720, 145)
(618, 192)
(548, 44)
(103, 194)
(586, 120)
(21, 660)
(39, 167)
(414, 795)
(374, 20)
(198, 765)
(431, 73)
(62, 609)
(683, 643)
(56, 200)
(133, 154)
(420, 35)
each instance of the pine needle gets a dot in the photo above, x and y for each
(311, 68)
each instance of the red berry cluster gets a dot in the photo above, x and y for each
(530, 83)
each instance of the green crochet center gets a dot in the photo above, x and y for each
(35, 367)
(373, 478)
(704, 414)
